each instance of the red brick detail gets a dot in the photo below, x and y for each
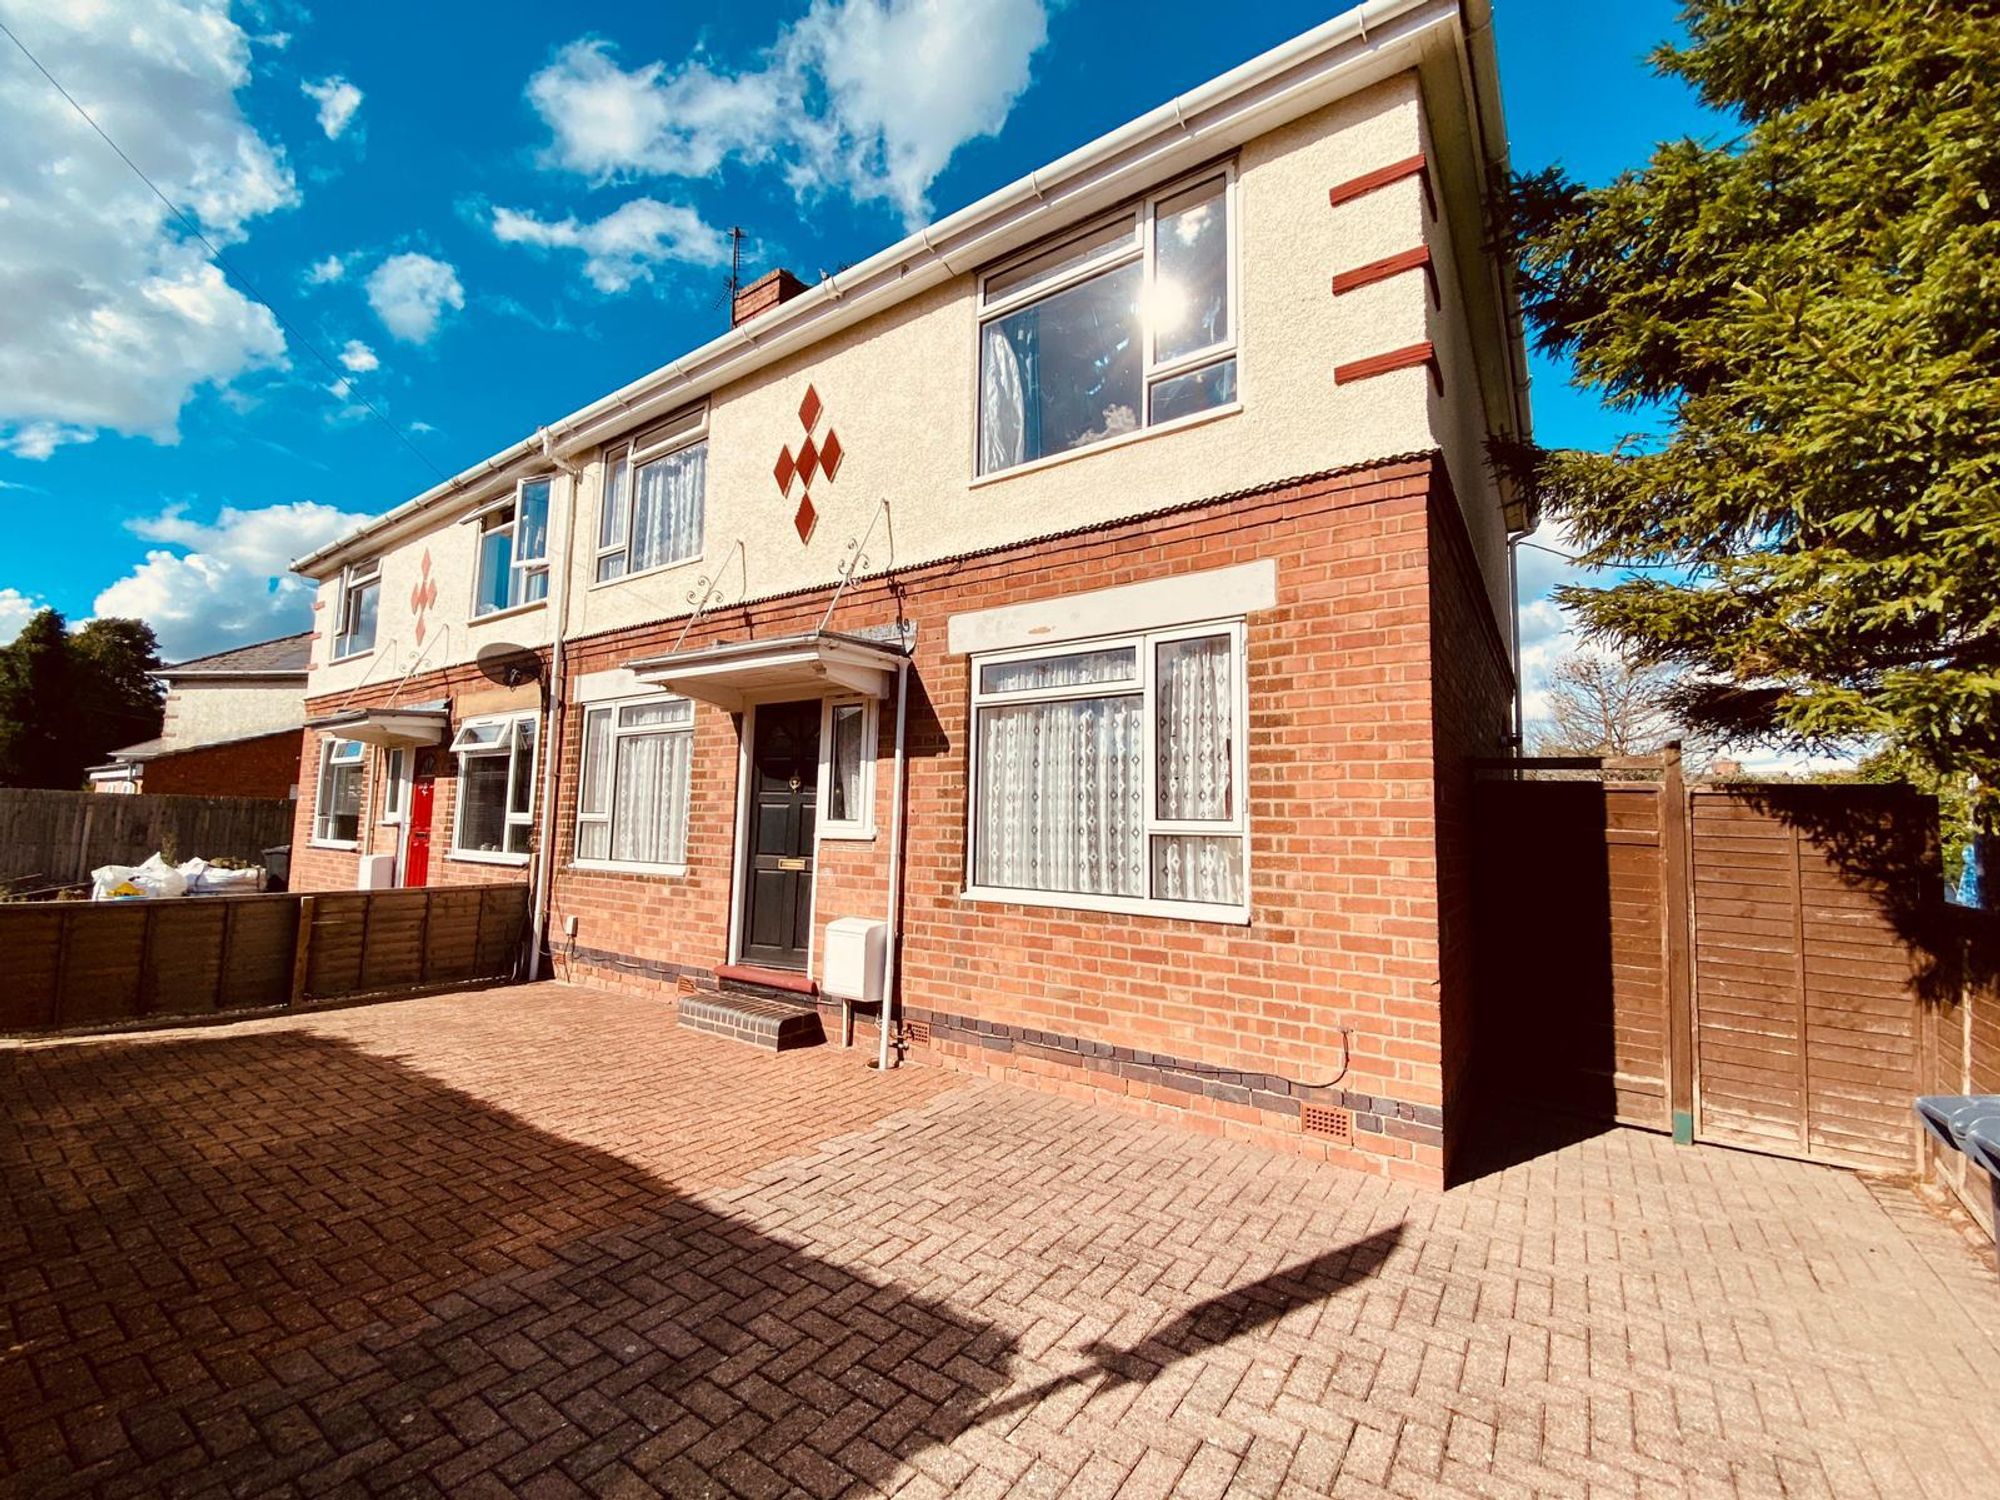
(829, 454)
(808, 461)
(1424, 354)
(264, 767)
(1358, 187)
(771, 979)
(1386, 267)
(809, 409)
(783, 470)
(805, 518)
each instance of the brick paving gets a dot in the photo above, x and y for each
(540, 1241)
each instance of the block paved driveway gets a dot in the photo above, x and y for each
(541, 1241)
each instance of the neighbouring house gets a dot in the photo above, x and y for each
(1105, 588)
(231, 729)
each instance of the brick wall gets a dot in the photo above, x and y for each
(267, 766)
(1334, 993)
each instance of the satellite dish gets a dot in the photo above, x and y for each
(508, 664)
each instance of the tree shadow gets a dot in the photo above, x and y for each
(277, 1261)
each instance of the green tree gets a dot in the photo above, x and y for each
(1813, 308)
(67, 699)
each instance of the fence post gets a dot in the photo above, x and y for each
(1675, 836)
(82, 867)
(302, 948)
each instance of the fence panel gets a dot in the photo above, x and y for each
(54, 837)
(75, 963)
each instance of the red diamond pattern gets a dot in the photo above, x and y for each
(783, 471)
(829, 453)
(806, 519)
(808, 461)
(809, 409)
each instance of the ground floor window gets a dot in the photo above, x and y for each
(633, 788)
(847, 769)
(1111, 773)
(496, 788)
(337, 800)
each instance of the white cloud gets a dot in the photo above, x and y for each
(626, 244)
(410, 293)
(16, 609)
(110, 315)
(359, 358)
(869, 97)
(338, 100)
(324, 272)
(226, 582)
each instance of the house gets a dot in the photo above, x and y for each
(231, 728)
(1104, 587)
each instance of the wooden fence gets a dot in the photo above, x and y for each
(52, 838)
(81, 964)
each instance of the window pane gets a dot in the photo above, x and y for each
(595, 780)
(844, 783)
(340, 797)
(392, 790)
(1191, 272)
(1077, 668)
(533, 532)
(649, 715)
(496, 557)
(366, 606)
(610, 566)
(1061, 373)
(593, 840)
(1198, 390)
(649, 798)
(528, 587)
(482, 803)
(1061, 797)
(612, 507)
(472, 736)
(1068, 255)
(1198, 867)
(347, 750)
(667, 512)
(1194, 719)
(522, 796)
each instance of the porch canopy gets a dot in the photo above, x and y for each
(387, 728)
(734, 674)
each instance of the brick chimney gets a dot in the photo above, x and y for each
(763, 294)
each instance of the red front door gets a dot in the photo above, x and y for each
(417, 837)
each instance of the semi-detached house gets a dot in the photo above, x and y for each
(1104, 587)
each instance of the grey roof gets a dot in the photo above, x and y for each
(287, 656)
(150, 749)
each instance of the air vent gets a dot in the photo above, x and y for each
(917, 1031)
(1336, 1125)
(686, 985)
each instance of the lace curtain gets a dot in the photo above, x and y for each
(1062, 796)
(1192, 702)
(667, 508)
(648, 801)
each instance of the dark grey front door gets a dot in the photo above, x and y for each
(784, 796)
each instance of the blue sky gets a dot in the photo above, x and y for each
(485, 215)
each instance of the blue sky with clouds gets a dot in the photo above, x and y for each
(476, 217)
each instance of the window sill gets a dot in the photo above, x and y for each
(508, 613)
(345, 846)
(1105, 445)
(341, 661)
(1131, 906)
(847, 835)
(476, 857)
(653, 572)
(629, 867)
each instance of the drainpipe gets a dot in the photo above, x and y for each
(890, 946)
(1514, 622)
(552, 701)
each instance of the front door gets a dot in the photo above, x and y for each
(417, 835)
(784, 796)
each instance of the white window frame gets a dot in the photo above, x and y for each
(346, 753)
(509, 745)
(1144, 645)
(680, 432)
(356, 579)
(1139, 247)
(862, 827)
(613, 733)
(395, 784)
(521, 573)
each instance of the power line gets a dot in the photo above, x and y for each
(1566, 557)
(340, 374)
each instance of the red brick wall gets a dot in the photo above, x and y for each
(1334, 993)
(264, 767)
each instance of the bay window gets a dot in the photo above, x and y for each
(1110, 774)
(496, 789)
(1125, 325)
(634, 783)
(514, 550)
(650, 511)
(358, 607)
(337, 798)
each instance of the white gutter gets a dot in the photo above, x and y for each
(1290, 80)
(890, 945)
(543, 884)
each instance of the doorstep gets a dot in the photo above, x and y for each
(773, 1023)
(748, 977)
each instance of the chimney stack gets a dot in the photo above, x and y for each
(763, 294)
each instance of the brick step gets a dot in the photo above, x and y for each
(776, 1024)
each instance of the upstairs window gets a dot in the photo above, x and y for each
(633, 787)
(360, 603)
(650, 513)
(496, 789)
(337, 800)
(514, 550)
(1124, 325)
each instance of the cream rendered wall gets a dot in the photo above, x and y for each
(201, 713)
(900, 391)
